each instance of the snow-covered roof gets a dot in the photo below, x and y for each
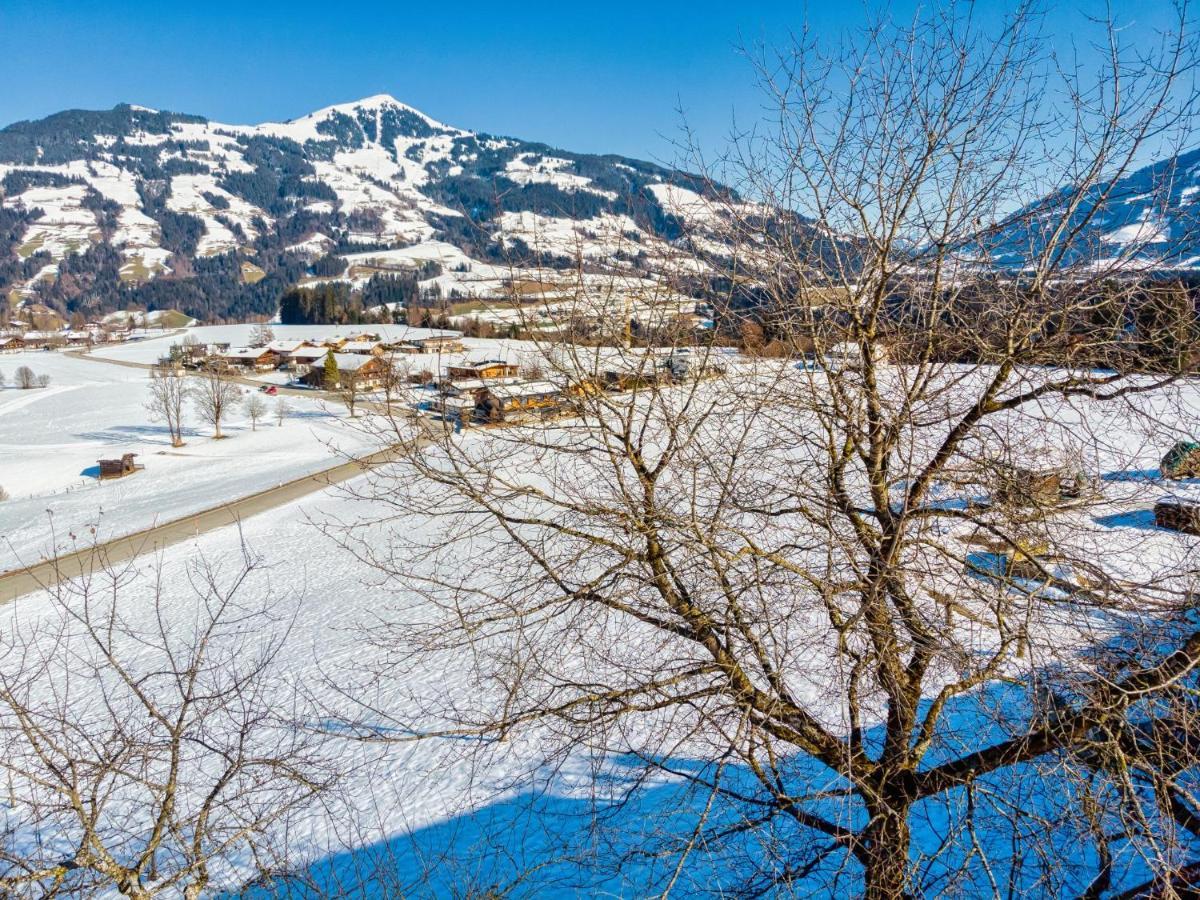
(525, 389)
(350, 362)
(286, 346)
(360, 346)
(309, 353)
(245, 353)
(482, 364)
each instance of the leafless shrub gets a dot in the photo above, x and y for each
(148, 755)
(213, 393)
(168, 395)
(255, 408)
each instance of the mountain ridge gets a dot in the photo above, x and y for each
(137, 206)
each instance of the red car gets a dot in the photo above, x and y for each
(269, 389)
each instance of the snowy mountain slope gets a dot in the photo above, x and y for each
(101, 210)
(1149, 218)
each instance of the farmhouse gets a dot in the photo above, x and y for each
(441, 343)
(365, 348)
(285, 349)
(303, 359)
(255, 359)
(43, 340)
(11, 343)
(355, 370)
(485, 370)
(528, 395)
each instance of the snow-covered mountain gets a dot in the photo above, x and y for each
(101, 210)
(1149, 219)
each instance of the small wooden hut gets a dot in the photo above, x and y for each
(1178, 515)
(118, 468)
(1181, 461)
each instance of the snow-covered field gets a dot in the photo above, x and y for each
(51, 439)
(437, 792)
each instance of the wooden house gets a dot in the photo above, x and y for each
(304, 358)
(526, 396)
(254, 359)
(362, 373)
(118, 468)
(485, 370)
(284, 349)
(364, 348)
(11, 343)
(447, 342)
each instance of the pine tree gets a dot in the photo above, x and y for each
(333, 377)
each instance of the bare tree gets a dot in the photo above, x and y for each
(143, 755)
(168, 394)
(25, 378)
(885, 587)
(213, 393)
(255, 408)
(261, 334)
(2, 380)
(43, 380)
(281, 411)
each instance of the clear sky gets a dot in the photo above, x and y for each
(589, 77)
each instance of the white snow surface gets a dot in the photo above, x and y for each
(52, 438)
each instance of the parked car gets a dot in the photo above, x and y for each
(269, 389)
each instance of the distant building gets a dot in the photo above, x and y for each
(255, 359)
(304, 358)
(440, 343)
(524, 396)
(364, 348)
(355, 370)
(485, 370)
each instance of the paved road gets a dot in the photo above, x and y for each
(19, 582)
(23, 581)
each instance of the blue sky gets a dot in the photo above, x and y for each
(589, 77)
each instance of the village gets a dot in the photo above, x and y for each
(433, 373)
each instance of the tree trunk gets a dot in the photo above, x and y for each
(887, 840)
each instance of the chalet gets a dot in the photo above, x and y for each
(403, 348)
(364, 348)
(450, 342)
(285, 349)
(80, 338)
(43, 340)
(304, 358)
(484, 370)
(255, 359)
(525, 396)
(11, 343)
(355, 370)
